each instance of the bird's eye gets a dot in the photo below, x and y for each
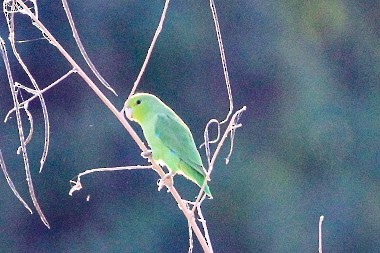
(138, 102)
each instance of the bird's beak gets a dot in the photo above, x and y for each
(128, 112)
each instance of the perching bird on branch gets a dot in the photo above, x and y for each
(169, 138)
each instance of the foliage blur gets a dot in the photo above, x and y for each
(309, 73)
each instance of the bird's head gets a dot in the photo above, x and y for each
(139, 106)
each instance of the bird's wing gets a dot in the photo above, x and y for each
(175, 135)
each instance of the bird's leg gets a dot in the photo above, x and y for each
(146, 154)
(161, 182)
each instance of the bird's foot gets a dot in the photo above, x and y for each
(146, 154)
(163, 181)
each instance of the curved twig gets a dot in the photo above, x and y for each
(31, 130)
(10, 183)
(232, 126)
(81, 48)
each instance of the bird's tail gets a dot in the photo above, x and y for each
(207, 191)
(200, 182)
(196, 177)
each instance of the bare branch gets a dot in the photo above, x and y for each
(10, 183)
(320, 234)
(78, 186)
(206, 137)
(223, 59)
(36, 94)
(233, 125)
(233, 131)
(150, 50)
(205, 229)
(81, 48)
(191, 241)
(29, 40)
(30, 119)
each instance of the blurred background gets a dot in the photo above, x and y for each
(309, 74)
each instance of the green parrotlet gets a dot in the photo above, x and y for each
(169, 138)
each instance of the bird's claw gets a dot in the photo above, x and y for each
(146, 154)
(162, 181)
(160, 184)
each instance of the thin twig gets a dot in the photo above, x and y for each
(191, 241)
(206, 137)
(36, 94)
(31, 130)
(223, 59)
(77, 184)
(232, 126)
(232, 134)
(29, 40)
(320, 234)
(150, 50)
(81, 48)
(10, 183)
(205, 229)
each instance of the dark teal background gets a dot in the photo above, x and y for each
(309, 74)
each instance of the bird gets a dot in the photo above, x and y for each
(169, 138)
